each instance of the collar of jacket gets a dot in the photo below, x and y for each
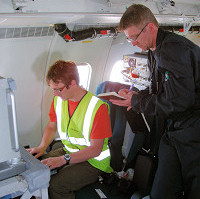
(160, 37)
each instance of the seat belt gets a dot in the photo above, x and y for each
(146, 123)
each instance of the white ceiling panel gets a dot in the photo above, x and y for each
(48, 12)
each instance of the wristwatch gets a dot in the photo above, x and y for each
(67, 157)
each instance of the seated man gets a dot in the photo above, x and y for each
(83, 123)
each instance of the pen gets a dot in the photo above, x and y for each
(132, 85)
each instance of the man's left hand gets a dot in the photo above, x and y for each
(128, 95)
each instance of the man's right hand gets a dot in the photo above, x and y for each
(39, 151)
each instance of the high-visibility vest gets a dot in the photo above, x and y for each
(75, 131)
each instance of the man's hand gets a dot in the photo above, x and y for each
(48, 137)
(39, 151)
(128, 95)
(54, 162)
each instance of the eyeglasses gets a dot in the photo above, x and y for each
(57, 90)
(134, 40)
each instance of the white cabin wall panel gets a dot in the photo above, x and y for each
(24, 60)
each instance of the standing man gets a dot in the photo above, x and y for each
(174, 94)
(83, 123)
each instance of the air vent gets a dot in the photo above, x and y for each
(22, 32)
(79, 27)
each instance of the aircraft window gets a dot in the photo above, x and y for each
(116, 73)
(84, 70)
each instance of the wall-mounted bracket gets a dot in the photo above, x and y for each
(188, 25)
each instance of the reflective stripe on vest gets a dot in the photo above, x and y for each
(86, 124)
(87, 119)
(58, 115)
(71, 150)
(103, 155)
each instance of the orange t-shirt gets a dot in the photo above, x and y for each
(101, 126)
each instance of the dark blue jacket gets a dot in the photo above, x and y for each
(175, 81)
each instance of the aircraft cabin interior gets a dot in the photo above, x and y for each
(34, 34)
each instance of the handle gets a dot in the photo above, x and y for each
(14, 121)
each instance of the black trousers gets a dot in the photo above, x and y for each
(178, 173)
